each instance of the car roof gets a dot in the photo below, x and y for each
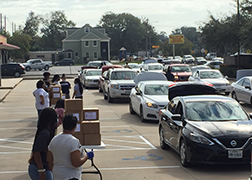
(147, 76)
(180, 64)
(191, 88)
(206, 98)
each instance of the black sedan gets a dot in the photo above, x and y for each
(12, 69)
(64, 62)
(210, 129)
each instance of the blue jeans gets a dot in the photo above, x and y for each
(34, 175)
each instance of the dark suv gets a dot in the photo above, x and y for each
(12, 69)
(64, 62)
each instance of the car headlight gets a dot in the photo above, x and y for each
(150, 104)
(114, 86)
(200, 139)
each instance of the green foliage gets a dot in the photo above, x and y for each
(21, 40)
(54, 31)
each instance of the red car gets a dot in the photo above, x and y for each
(104, 72)
(181, 72)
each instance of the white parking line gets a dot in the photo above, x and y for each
(107, 169)
(116, 140)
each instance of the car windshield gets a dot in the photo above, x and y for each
(180, 69)
(214, 111)
(210, 75)
(155, 67)
(123, 75)
(133, 66)
(93, 73)
(156, 89)
(94, 64)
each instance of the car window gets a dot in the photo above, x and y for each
(156, 89)
(246, 83)
(172, 106)
(210, 75)
(93, 73)
(123, 75)
(180, 69)
(240, 82)
(214, 111)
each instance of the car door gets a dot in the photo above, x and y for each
(168, 123)
(5, 70)
(136, 98)
(245, 95)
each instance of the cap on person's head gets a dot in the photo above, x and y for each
(69, 122)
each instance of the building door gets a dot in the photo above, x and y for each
(104, 51)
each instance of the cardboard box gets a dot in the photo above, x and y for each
(90, 127)
(54, 101)
(73, 104)
(55, 88)
(79, 136)
(91, 139)
(90, 114)
(76, 113)
(56, 95)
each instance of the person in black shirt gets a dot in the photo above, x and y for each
(169, 75)
(38, 166)
(47, 81)
(65, 86)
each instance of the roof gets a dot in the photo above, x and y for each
(8, 46)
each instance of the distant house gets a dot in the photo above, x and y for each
(86, 43)
(4, 48)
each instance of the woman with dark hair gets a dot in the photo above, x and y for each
(38, 167)
(56, 79)
(78, 89)
(65, 156)
(41, 97)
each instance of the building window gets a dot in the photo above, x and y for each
(87, 55)
(86, 29)
(95, 55)
(94, 43)
(76, 54)
(86, 43)
(40, 56)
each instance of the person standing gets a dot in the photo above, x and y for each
(78, 89)
(56, 79)
(47, 81)
(60, 110)
(65, 86)
(38, 168)
(65, 156)
(41, 97)
(169, 75)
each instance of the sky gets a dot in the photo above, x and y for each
(164, 15)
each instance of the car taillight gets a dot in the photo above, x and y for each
(209, 84)
(22, 66)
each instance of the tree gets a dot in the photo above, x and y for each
(54, 31)
(32, 28)
(21, 40)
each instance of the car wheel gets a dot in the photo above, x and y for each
(163, 145)
(46, 68)
(141, 114)
(110, 100)
(183, 156)
(233, 95)
(17, 74)
(40, 69)
(227, 93)
(28, 68)
(131, 109)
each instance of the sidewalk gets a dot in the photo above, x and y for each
(7, 85)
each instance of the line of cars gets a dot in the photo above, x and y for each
(195, 120)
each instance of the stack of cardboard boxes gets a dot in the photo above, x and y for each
(88, 127)
(55, 94)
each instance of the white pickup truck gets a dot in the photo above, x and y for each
(37, 64)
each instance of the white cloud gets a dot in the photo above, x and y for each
(165, 15)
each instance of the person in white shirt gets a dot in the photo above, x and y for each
(41, 97)
(65, 157)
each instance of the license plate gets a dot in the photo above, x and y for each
(235, 154)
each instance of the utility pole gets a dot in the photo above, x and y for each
(238, 33)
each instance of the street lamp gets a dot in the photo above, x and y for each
(238, 28)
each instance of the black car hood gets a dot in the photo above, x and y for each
(191, 88)
(224, 128)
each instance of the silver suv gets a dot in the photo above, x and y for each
(118, 83)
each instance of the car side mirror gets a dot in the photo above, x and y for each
(247, 87)
(106, 78)
(250, 115)
(138, 93)
(176, 117)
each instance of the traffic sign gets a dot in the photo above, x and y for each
(176, 39)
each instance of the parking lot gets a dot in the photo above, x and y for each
(132, 147)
